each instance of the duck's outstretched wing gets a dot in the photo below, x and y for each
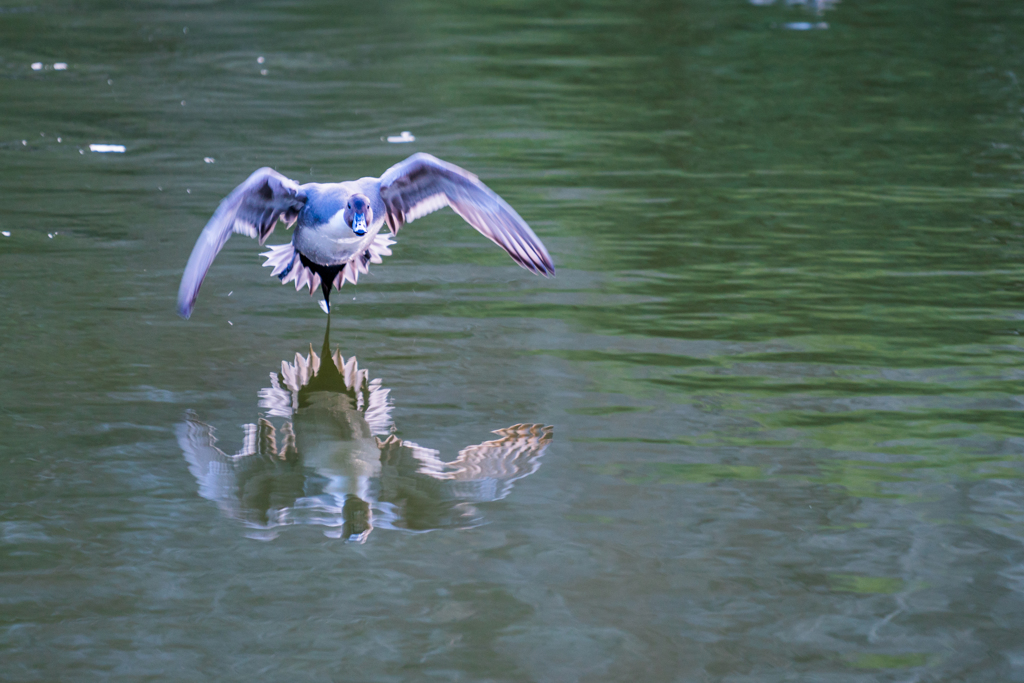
(252, 209)
(482, 473)
(423, 184)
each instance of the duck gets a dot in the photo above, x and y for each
(337, 226)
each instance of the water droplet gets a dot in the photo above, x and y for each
(406, 136)
(60, 66)
(260, 60)
(37, 66)
(209, 160)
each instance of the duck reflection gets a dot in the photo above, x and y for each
(331, 459)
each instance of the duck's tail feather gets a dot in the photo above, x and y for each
(288, 267)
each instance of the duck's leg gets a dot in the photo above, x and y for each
(327, 274)
(325, 287)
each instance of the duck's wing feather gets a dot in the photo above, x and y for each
(252, 209)
(423, 184)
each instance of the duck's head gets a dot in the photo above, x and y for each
(358, 214)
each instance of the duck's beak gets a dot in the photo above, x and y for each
(359, 224)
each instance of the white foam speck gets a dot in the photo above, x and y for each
(58, 139)
(260, 59)
(406, 136)
(50, 235)
(6, 233)
(231, 323)
(263, 72)
(24, 143)
(107, 149)
(60, 66)
(209, 160)
(805, 25)
(37, 66)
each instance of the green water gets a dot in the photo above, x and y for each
(781, 358)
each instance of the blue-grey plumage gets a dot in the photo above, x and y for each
(338, 225)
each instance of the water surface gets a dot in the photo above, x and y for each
(781, 358)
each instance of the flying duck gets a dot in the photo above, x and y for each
(337, 225)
